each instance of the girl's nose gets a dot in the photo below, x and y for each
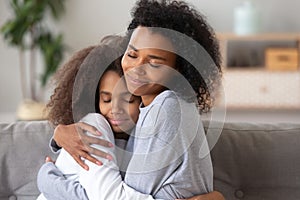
(116, 108)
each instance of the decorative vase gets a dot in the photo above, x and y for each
(31, 110)
(246, 18)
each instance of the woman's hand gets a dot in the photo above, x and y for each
(214, 195)
(73, 139)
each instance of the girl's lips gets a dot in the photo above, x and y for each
(117, 122)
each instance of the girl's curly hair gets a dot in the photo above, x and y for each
(181, 17)
(77, 81)
(60, 104)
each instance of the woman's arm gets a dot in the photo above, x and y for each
(54, 186)
(73, 139)
(93, 181)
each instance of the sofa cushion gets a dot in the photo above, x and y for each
(23, 147)
(257, 161)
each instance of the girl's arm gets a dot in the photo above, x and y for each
(54, 186)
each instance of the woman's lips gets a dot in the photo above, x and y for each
(136, 81)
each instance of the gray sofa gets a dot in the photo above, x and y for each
(251, 161)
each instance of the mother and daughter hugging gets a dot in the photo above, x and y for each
(127, 111)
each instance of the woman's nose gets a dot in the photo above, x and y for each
(139, 66)
(139, 70)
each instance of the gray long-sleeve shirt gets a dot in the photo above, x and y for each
(171, 157)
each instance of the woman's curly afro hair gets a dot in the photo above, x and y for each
(183, 18)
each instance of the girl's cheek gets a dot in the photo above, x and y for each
(124, 63)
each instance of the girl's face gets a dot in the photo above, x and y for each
(116, 104)
(145, 64)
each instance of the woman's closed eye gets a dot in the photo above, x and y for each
(154, 65)
(129, 98)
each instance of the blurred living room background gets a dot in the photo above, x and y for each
(260, 47)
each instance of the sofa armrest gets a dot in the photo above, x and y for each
(23, 147)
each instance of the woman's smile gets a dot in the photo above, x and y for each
(135, 80)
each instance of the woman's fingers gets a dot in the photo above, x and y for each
(88, 141)
(92, 159)
(89, 128)
(93, 140)
(78, 159)
(99, 153)
(75, 141)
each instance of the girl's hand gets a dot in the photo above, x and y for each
(214, 195)
(49, 159)
(73, 139)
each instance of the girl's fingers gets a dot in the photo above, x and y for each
(49, 159)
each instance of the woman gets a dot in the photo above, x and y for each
(104, 100)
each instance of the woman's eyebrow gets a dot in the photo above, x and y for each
(150, 56)
(156, 57)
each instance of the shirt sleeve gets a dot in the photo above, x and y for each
(54, 146)
(167, 146)
(100, 182)
(105, 182)
(54, 186)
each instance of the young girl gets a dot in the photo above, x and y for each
(112, 104)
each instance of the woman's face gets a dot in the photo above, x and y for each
(146, 63)
(116, 104)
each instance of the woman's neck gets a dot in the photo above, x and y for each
(147, 99)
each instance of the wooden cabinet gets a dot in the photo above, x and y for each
(257, 84)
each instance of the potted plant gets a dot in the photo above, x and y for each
(27, 31)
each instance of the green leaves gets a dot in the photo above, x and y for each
(28, 23)
(52, 49)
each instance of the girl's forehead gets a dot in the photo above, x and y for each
(143, 37)
(113, 83)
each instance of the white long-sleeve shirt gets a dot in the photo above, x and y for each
(100, 182)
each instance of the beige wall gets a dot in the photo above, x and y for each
(85, 22)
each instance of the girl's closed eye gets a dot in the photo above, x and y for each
(105, 98)
(131, 54)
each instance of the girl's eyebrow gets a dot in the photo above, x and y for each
(150, 56)
(133, 48)
(105, 93)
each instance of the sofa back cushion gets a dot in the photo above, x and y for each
(257, 161)
(23, 147)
